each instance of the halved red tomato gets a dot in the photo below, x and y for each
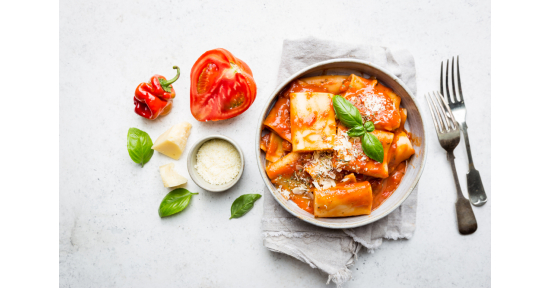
(222, 86)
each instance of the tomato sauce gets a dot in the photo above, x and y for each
(383, 113)
(278, 119)
(300, 86)
(415, 140)
(384, 188)
(274, 149)
(265, 141)
(303, 202)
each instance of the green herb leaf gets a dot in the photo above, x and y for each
(177, 200)
(139, 146)
(347, 113)
(356, 131)
(369, 126)
(243, 204)
(372, 147)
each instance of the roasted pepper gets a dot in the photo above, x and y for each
(155, 97)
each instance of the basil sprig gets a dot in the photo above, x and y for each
(346, 112)
(139, 146)
(369, 126)
(349, 115)
(243, 204)
(177, 200)
(356, 131)
(372, 147)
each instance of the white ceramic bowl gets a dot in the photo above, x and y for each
(191, 162)
(414, 124)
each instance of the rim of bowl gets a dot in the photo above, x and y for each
(198, 180)
(259, 130)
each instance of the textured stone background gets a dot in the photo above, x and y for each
(110, 232)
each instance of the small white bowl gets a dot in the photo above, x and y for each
(191, 162)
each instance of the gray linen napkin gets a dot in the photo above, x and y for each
(329, 250)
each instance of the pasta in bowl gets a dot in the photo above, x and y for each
(320, 167)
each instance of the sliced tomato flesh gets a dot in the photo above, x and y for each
(237, 101)
(206, 78)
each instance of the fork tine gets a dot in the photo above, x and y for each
(447, 90)
(440, 111)
(459, 81)
(453, 83)
(443, 122)
(437, 128)
(441, 72)
(448, 112)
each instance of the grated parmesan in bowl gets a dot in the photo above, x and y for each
(215, 163)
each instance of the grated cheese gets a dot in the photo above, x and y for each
(321, 170)
(320, 165)
(348, 149)
(299, 190)
(285, 193)
(218, 162)
(373, 104)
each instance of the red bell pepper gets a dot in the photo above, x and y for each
(155, 97)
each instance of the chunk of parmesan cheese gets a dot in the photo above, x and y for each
(218, 162)
(172, 142)
(170, 178)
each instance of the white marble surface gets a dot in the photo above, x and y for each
(110, 233)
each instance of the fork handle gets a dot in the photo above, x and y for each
(463, 127)
(467, 223)
(475, 189)
(451, 158)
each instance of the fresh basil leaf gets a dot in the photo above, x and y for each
(369, 125)
(356, 131)
(372, 147)
(175, 202)
(243, 204)
(139, 146)
(347, 113)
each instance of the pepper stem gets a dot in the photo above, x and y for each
(166, 83)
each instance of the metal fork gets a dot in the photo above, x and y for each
(448, 135)
(477, 196)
